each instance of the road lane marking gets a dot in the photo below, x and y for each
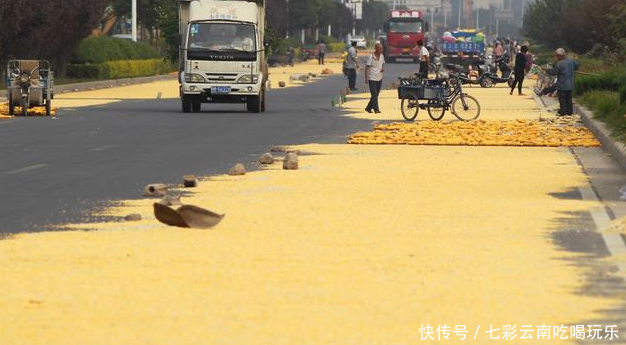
(103, 148)
(29, 168)
(614, 242)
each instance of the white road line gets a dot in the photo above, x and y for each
(106, 147)
(32, 167)
(614, 242)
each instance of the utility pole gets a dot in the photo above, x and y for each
(477, 11)
(460, 8)
(134, 20)
(288, 19)
(432, 20)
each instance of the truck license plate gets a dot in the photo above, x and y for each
(220, 89)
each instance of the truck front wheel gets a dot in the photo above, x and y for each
(254, 104)
(186, 104)
(196, 107)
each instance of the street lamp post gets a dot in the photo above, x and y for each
(134, 20)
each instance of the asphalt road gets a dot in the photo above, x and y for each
(54, 171)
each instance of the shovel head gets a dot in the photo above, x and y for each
(196, 217)
(169, 216)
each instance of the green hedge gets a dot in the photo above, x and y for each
(606, 106)
(120, 69)
(103, 49)
(611, 80)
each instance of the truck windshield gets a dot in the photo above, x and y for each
(222, 37)
(405, 27)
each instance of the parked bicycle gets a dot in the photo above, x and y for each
(440, 95)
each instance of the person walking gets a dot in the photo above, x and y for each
(321, 52)
(564, 71)
(520, 70)
(424, 59)
(374, 70)
(351, 66)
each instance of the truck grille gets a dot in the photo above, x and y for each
(221, 77)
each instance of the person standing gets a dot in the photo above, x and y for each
(424, 59)
(529, 59)
(351, 66)
(498, 51)
(564, 71)
(374, 70)
(321, 52)
(520, 70)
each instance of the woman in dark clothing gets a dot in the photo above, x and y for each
(520, 70)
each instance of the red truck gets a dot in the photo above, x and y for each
(403, 29)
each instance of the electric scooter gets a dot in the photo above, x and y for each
(507, 73)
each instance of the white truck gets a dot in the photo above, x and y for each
(222, 53)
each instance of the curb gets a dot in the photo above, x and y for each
(103, 84)
(616, 149)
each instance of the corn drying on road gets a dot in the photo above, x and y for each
(364, 244)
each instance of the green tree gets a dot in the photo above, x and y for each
(375, 14)
(51, 30)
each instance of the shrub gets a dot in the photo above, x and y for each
(606, 107)
(611, 80)
(336, 47)
(283, 45)
(328, 39)
(120, 69)
(103, 49)
(622, 95)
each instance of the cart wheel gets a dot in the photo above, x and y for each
(410, 107)
(25, 106)
(48, 108)
(486, 83)
(511, 81)
(436, 110)
(466, 107)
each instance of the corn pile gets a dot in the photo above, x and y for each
(552, 133)
(34, 111)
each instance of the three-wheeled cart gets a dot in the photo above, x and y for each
(437, 96)
(29, 84)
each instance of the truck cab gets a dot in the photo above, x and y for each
(222, 54)
(403, 29)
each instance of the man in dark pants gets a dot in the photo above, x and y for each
(374, 70)
(564, 70)
(351, 66)
(424, 59)
(321, 52)
(520, 70)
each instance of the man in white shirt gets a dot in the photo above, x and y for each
(424, 59)
(374, 76)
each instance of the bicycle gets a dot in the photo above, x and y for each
(440, 95)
